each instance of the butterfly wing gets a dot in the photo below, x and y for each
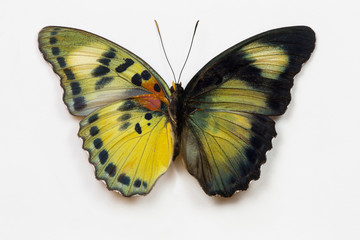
(95, 71)
(227, 129)
(126, 131)
(129, 144)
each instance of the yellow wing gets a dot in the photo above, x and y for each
(127, 133)
(95, 71)
(129, 145)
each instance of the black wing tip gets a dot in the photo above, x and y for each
(309, 33)
(304, 34)
(297, 28)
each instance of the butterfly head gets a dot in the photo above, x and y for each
(176, 87)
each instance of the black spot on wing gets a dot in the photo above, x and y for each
(138, 128)
(93, 118)
(127, 106)
(122, 67)
(110, 169)
(55, 51)
(136, 79)
(79, 103)
(104, 61)
(157, 87)
(109, 54)
(94, 130)
(53, 40)
(123, 179)
(69, 74)
(75, 88)
(125, 117)
(55, 31)
(124, 126)
(61, 62)
(137, 183)
(144, 184)
(103, 82)
(145, 75)
(148, 116)
(98, 143)
(103, 156)
(100, 71)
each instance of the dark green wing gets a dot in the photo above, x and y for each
(227, 130)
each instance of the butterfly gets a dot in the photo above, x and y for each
(134, 125)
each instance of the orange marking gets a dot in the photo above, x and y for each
(149, 85)
(149, 101)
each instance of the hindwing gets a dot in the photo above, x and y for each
(224, 150)
(130, 143)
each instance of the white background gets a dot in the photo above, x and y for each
(309, 187)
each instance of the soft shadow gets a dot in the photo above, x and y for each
(198, 193)
(239, 196)
(234, 199)
(156, 194)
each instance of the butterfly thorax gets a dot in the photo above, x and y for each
(176, 103)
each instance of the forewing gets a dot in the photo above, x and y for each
(227, 130)
(254, 76)
(95, 71)
(130, 143)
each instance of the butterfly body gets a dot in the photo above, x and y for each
(135, 125)
(176, 115)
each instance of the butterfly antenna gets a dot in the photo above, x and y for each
(162, 44)
(192, 40)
